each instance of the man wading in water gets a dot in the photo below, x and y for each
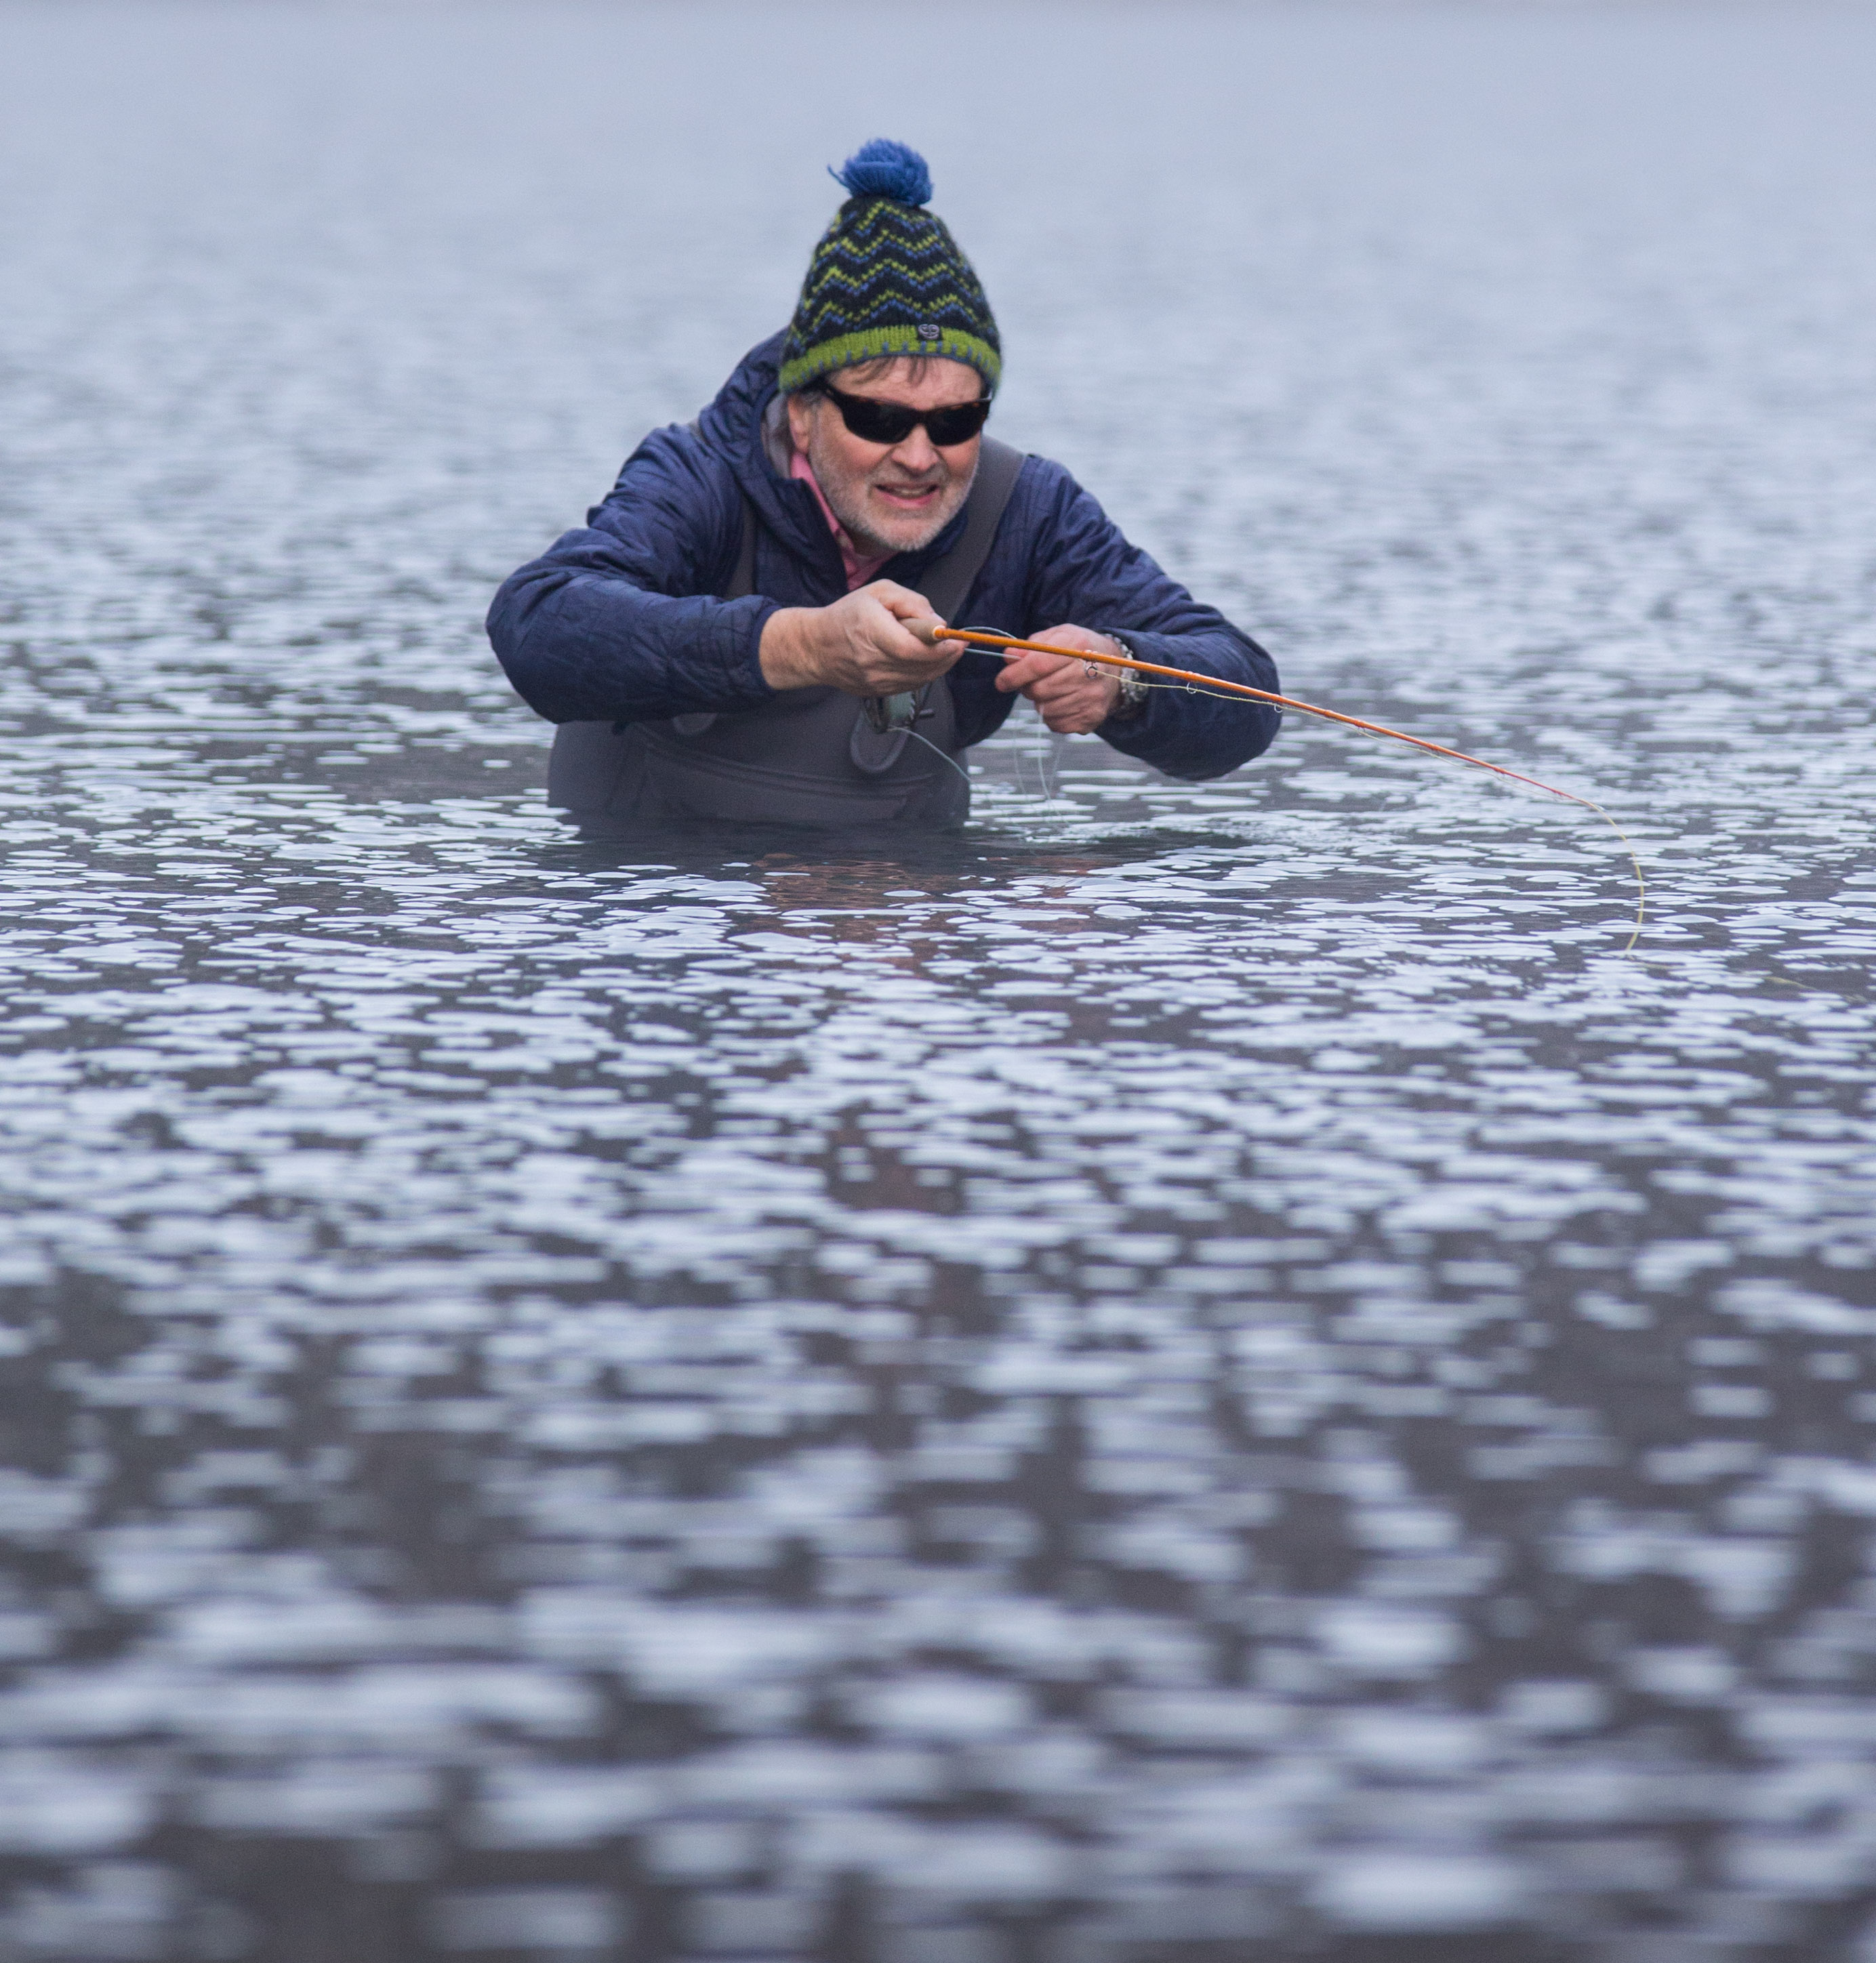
(725, 640)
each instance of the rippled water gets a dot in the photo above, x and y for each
(1197, 1373)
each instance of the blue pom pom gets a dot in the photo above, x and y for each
(883, 168)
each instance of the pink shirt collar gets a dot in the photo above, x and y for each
(859, 571)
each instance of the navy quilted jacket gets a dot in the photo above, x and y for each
(617, 622)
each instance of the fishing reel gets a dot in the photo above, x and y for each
(888, 713)
(884, 727)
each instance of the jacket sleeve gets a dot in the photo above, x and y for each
(614, 623)
(1084, 572)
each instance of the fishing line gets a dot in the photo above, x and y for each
(933, 632)
(937, 752)
(1048, 758)
(1634, 859)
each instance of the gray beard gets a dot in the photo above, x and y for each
(869, 546)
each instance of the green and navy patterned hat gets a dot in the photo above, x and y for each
(887, 279)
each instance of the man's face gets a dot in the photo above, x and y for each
(891, 498)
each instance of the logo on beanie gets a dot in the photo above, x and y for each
(930, 331)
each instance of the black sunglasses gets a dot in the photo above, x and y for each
(892, 422)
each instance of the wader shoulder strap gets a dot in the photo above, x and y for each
(742, 580)
(948, 584)
(743, 577)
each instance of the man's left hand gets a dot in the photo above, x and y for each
(1070, 699)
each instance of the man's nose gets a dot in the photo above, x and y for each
(917, 451)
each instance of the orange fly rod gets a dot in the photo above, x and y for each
(933, 632)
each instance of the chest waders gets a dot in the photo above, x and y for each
(810, 756)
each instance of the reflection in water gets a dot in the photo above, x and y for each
(1195, 1372)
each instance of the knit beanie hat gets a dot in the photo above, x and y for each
(887, 279)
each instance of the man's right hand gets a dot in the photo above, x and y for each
(859, 645)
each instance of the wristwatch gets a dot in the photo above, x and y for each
(1133, 688)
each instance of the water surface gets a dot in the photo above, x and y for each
(1197, 1373)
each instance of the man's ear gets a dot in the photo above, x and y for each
(800, 419)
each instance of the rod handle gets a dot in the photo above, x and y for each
(930, 632)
